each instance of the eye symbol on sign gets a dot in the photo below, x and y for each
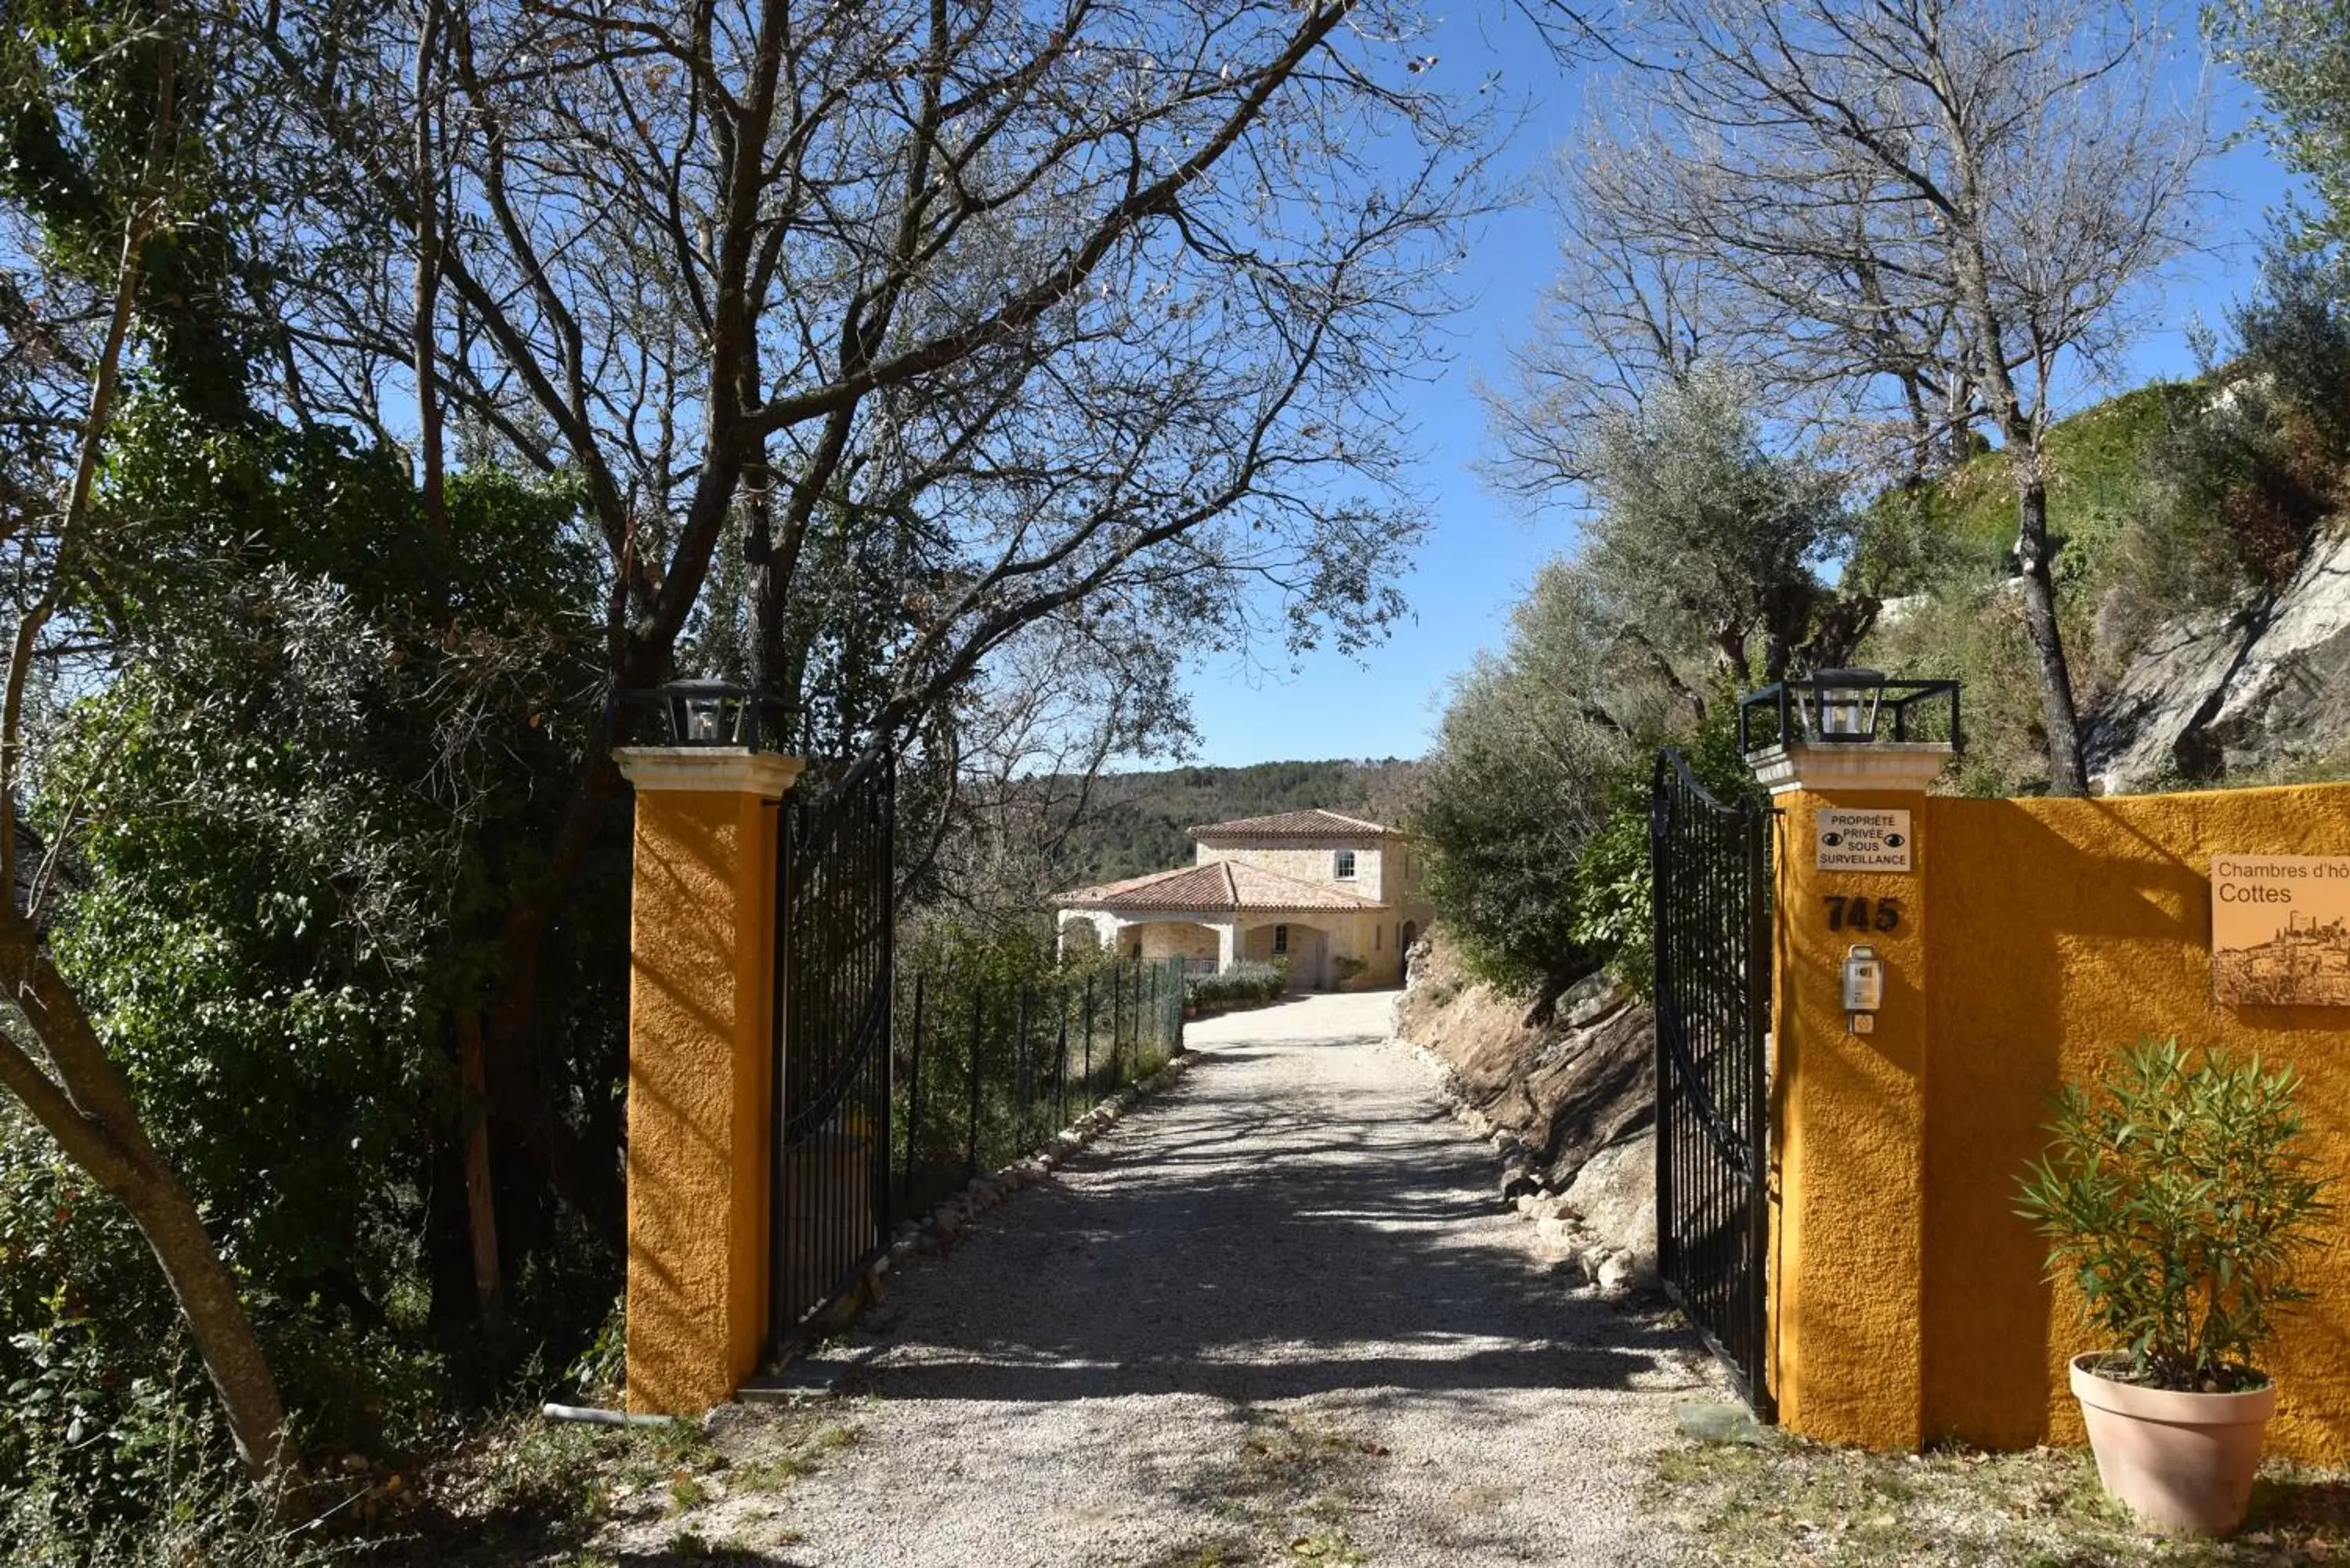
(1831, 840)
(1894, 841)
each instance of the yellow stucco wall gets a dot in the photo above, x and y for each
(2040, 936)
(1850, 1219)
(2062, 931)
(698, 1082)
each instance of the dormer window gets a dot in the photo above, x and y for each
(1344, 867)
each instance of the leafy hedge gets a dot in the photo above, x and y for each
(1243, 982)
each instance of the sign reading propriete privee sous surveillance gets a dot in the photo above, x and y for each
(1863, 840)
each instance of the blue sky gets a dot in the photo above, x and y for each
(1481, 551)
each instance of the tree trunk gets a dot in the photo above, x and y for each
(89, 1110)
(2066, 774)
(473, 1119)
(2021, 428)
(425, 293)
(1730, 641)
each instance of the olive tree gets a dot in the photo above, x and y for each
(2297, 53)
(1698, 526)
(1700, 558)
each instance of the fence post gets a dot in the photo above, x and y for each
(1117, 1035)
(1089, 1037)
(914, 1097)
(1061, 1052)
(971, 1128)
(1022, 1071)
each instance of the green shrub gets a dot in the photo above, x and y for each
(2231, 491)
(128, 1468)
(1615, 922)
(1970, 630)
(2242, 465)
(2176, 1198)
(1245, 981)
(2296, 333)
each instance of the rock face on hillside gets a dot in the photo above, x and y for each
(1578, 1093)
(2264, 685)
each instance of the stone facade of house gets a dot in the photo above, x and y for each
(1335, 897)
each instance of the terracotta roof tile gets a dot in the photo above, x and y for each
(1313, 823)
(1218, 885)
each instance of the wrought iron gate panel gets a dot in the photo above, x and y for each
(834, 981)
(1711, 864)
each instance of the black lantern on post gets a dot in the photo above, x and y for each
(1846, 708)
(1840, 705)
(703, 712)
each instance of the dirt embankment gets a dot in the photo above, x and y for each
(1576, 1093)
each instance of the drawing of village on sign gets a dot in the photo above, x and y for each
(2280, 931)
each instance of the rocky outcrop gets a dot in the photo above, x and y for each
(2261, 686)
(1571, 1096)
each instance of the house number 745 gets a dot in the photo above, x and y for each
(1847, 914)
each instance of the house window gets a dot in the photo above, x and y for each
(1345, 865)
(1280, 940)
(1377, 937)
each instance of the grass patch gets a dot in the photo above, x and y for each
(686, 1492)
(1326, 1546)
(536, 1487)
(1790, 1501)
(688, 1544)
(1225, 1552)
(800, 1457)
(1286, 1493)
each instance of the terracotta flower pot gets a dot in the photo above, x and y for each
(2183, 1461)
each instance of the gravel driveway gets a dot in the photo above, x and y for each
(1277, 1313)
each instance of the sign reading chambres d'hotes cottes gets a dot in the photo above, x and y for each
(2280, 931)
(1863, 840)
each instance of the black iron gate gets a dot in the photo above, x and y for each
(834, 981)
(1712, 889)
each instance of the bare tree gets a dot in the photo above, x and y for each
(1632, 311)
(1061, 702)
(1941, 205)
(968, 316)
(1620, 320)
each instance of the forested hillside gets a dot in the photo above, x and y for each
(1139, 821)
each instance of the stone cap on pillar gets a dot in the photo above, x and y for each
(733, 770)
(1887, 767)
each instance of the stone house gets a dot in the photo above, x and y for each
(1337, 897)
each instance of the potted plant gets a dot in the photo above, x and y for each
(2176, 1198)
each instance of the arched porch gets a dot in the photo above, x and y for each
(1203, 945)
(1306, 947)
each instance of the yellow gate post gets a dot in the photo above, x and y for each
(1847, 1243)
(701, 949)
